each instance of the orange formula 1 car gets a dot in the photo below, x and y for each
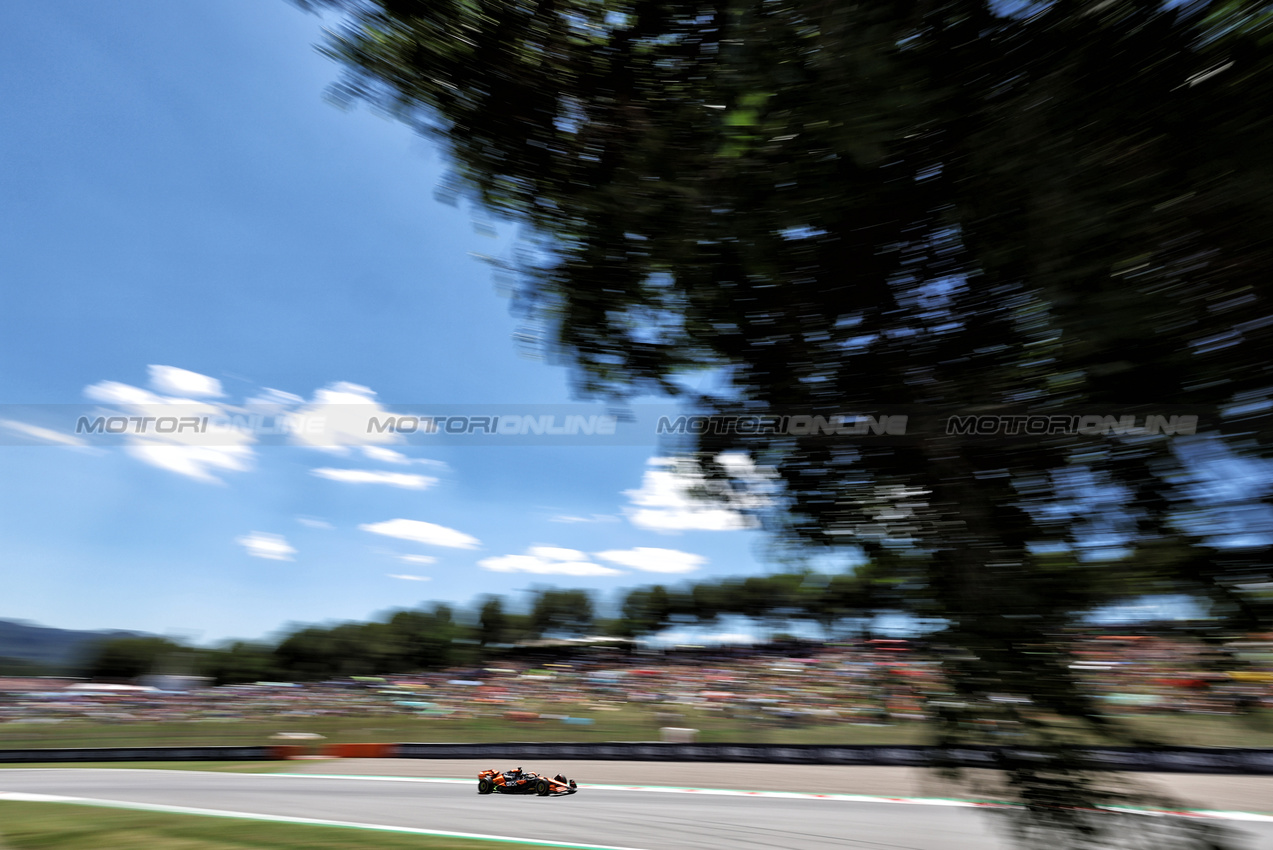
(517, 781)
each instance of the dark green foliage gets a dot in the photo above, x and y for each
(56, 650)
(561, 612)
(241, 662)
(409, 641)
(844, 207)
(433, 637)
(21, 667)
(129, 657)
(493, 623)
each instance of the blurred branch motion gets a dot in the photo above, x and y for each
(844, 205)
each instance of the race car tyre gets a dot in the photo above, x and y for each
(541, 788)
(485, 786)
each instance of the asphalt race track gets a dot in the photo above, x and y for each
(629, 819)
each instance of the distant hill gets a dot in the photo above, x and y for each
(47, 647)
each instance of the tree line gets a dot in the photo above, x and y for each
(436, 635)
(1054, 207)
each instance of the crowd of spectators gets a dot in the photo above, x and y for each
(1149, 674)
(865, 682)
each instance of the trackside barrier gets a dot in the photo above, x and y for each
(360, 751)
(142, 754)
(1234, 761)
(1238, 761)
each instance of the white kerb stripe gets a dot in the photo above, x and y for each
(21, 797)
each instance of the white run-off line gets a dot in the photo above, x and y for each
(794, 795)
(20, 797)
(655, 789)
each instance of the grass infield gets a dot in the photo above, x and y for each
(217, 766)
(628, 723)
(64, 826)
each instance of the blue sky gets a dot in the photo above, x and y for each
(185, 217)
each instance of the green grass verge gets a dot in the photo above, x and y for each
(630, 723)
(218, 766)
(61, 826)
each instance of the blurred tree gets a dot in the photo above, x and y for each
(127, 658)
(238, 663)
(424, 638)
(644, 611)
(22, 667)
(1059, 206)
(561, 612)
(493, 623)
(407, 641)
(830, 600)
(709, 601)
(307, 654)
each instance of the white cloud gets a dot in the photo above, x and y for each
(418, 559)
(651, 560)
(273, 547)
(336, 419)
(687, 636)
(35, 432)
(409, 578)
(674, 518)
(423, 532)
(568, 518)
(663, 502)
(113, 392)
(374, 476)
(669, 498)
(311, 522)
(188, 452)
(193, 461)
(275, 398)
(545, 560)
(556, 553)
(184, 383)
(384, 455)
(345, 411)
